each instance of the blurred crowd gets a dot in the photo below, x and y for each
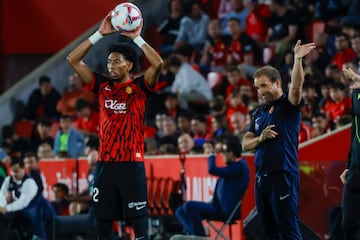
(206, 91)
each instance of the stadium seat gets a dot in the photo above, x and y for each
(234, 218)
(24, 128)
(168, 189)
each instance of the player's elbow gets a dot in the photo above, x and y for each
(159, 64)
(70, 59)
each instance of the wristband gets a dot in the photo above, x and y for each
(95, 37)
(139, 41)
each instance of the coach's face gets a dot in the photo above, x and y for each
(267, 90)
(118, 67)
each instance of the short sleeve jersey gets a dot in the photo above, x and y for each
(121, 110)
(281, 152)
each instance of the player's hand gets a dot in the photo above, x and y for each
(106, 26)
(134, 34)
(349, 73)
(268, 133)
(303, 50)
(343, 176)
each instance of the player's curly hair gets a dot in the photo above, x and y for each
(127, 51)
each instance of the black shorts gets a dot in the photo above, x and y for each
(120, 190)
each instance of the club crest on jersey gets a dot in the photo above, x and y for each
(128, 90)
(114, 105)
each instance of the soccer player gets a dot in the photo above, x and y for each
(351, 175)
(273, 134)
(120, 181)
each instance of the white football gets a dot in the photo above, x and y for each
(126, 17)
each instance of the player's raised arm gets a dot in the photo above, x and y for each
(152, 73)
(297, 75)
(75, 57)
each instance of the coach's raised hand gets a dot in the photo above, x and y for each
(302, 50)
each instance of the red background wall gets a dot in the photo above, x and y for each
(39, 26)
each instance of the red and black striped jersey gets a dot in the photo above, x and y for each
(122, 108)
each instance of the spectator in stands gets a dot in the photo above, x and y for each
(172, 107)
(151, 146)
(13, 144)
(235, 77)
(201, 131)
(217, 105)
(243, 49)
(229, 190)
(333, 71)
(68, 140)
(193, 27)
(310, 101)
(343, 121)
(341, 104)
(45, 151)
(189, 84)
(344, 53)
(305, 132)
(169, 27)
(209, 147)
(87, 121)
(159, 120)
(257, 20)
(31, 163)
(42, 101)
(247, 95)
(185, 143)
(219, 126)
(21, 201)
(282, 31)
(167, 145)
(183, 122)
(326, 11)
(170, 133)
(81, 203)
(214, 54)
(224, 8)
(238, 11)
(320, 124)
(325, 99)
(238, 124)
(75, 91)
(349, 28)
(236, 104)
(41, 134)
(61, 202)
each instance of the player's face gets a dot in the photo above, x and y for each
(118, 67)
(267, 90)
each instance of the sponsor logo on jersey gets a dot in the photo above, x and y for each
(137, 205)
(116, 106)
